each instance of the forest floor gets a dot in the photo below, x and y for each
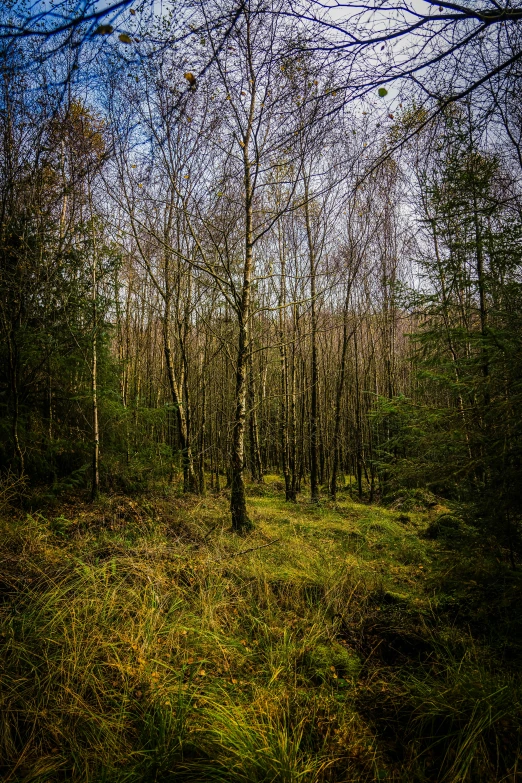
(142, 641)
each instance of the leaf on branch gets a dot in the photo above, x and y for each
(190, 78)
(124, 38)
(104, 29)
(382, 92)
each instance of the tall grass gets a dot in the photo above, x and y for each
(137, 646)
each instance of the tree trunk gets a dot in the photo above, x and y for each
(292, 459)
(240, 521)
(314, 486)
(358, 424)
(95, 486)
(189, 476)
(256, 469)
(284, 383)
(338, 404)
(202, 439)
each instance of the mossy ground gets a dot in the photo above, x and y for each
(143, 641)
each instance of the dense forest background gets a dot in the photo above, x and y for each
(246, 271)
(260, 273)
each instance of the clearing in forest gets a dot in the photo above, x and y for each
(141, 640)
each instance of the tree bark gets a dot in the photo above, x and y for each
(289, 493)
(314, 485)
(189, 476)
(95, 486)
(240, 521)
(238, 510)
(338, 404)
(256, 468)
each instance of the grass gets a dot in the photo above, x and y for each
(142, 641)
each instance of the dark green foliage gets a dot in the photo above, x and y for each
(461, 434)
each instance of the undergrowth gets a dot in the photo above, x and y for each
(142, 641)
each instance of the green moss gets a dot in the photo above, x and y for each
(332, 661)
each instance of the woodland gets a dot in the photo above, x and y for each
(261, 391)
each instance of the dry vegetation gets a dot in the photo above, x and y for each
(141, 640)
